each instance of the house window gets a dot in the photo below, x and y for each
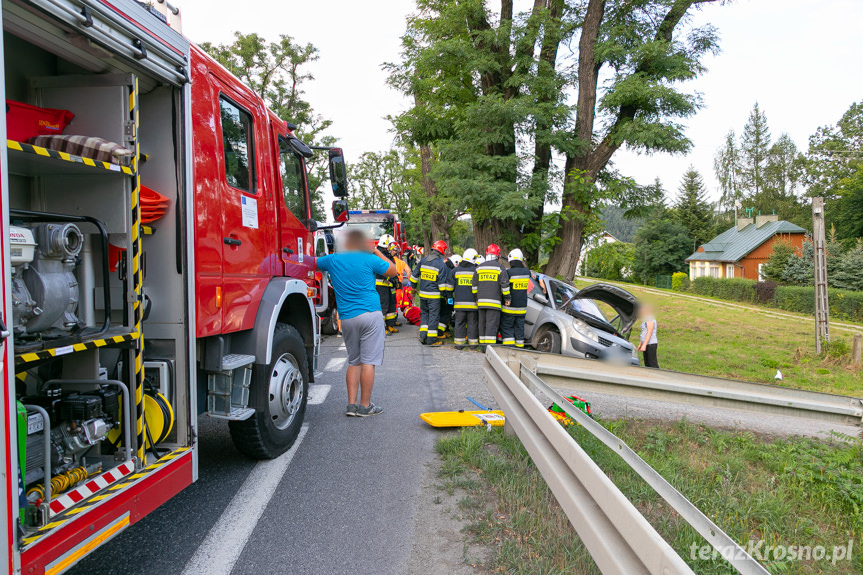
(761, 277)
(729, 270)
(714, 270)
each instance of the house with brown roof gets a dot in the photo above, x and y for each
(741, 251)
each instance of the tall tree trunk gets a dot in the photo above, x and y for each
(574, 213)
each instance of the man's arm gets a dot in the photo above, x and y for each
(391, 270)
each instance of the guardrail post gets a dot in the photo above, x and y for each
(857, 350)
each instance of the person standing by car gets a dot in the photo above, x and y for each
(512, 315)
(649, 341)
(466, 329)
(352, 271)
(491, 287)
(430, 279)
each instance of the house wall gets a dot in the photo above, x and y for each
(762, 253)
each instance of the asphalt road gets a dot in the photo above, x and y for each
(345, 504)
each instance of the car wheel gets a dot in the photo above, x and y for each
(548, 341)
(330, 324)
(278, 393)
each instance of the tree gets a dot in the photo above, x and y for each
(640, 47)
(849, 272)
(692, 209)
(726, 166)
(834, 170)
(800, 269)
(617, 224)
(276, 71)
(754, 149)
(774, 268)
(611, 261)
(661, 247)
(384, 180)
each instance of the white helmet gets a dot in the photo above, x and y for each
(386, 241)
(470, 255)
(455, 259)
(516, 255)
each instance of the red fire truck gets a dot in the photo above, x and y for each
(158, 263)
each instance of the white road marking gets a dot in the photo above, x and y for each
(336, 364)
(318, 393)
(223, 545)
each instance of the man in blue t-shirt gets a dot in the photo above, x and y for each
(352, 273)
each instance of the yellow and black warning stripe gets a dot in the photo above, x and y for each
(65, 156)
(30, 357)
(112, 490)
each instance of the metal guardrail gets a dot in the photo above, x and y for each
(618, 537)
(588, 375)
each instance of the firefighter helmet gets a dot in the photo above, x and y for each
(493, 250)
(455, 259)
(439, 246)
(386, 241)
(470, 255)
(516, 255)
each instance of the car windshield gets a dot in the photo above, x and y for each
(563, 294)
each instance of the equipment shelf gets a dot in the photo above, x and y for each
(114, 336)
(30, 160)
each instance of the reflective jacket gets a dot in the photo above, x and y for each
(384, 281)
(404, 272)
(431, 277)
(463, 297)
(490, 285)
(519, 282)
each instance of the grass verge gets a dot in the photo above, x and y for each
(798, 491)
(696, 337)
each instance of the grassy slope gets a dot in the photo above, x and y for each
(696, 337)
(802, 492)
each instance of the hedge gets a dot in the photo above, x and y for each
(737, 289)
(844, 304)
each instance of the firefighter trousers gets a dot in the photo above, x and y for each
(429, 319)
(512, 329)
(489, 322)
(466, 327)
(388, 304)
(446, 315)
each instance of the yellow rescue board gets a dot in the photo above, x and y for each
(462, 418)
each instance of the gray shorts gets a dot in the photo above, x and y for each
(364, 338)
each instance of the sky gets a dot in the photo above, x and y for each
(801, 60)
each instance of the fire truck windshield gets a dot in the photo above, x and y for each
(373, 230)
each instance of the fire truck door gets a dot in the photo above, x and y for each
(293, 209)
(247, 218)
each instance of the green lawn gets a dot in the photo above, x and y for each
(698, 337)
(798, 492)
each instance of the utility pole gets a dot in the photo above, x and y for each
(822, 309)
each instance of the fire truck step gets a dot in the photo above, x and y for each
(237, 414)
(234, 361)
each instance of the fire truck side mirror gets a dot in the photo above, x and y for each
(338, 173)
(340, 211)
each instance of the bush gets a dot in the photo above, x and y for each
(844, 304)
(736, 289)
(611, 261)
(680, 281)
(795, 298)
(765, 292)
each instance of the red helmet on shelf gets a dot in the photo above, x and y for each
(439, 246)
(493, 250)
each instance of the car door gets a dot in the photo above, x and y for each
(295, 240)
(247, 218)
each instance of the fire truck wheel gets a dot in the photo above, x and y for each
(278, 393)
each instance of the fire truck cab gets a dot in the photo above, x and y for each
(158, 263)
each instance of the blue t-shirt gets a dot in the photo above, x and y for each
(353, 277)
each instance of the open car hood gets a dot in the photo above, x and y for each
(621, 301)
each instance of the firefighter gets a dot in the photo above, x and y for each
(430, 279)
(384, 285)
(512, 318)
(464, 302)
(403, 281)
(446, 304)
(491, 287)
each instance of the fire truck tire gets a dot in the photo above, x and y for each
(278, 393)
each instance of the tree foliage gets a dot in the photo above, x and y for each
(661, 247)
(692, 209)
(277, 72)
(611, 261)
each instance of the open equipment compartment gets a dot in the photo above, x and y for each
(92, 400)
